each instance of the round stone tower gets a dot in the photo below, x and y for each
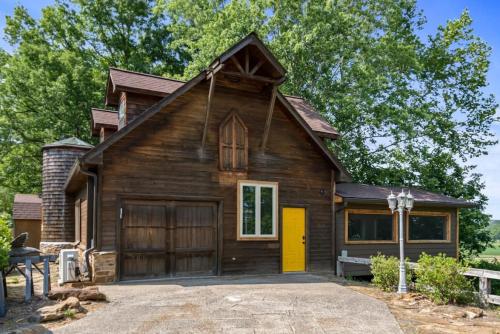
(57, 208)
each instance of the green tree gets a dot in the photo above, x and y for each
(411, 110)
(495, 229)
(5, 240)
(57, 73)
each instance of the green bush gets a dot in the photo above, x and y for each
(490, 265)
(385, 271)
(5, 240)
(440, 278)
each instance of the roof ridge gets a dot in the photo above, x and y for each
(145, 74)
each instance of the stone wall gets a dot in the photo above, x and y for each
(103, 267)
(54, 248)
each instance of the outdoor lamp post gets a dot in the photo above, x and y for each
(400, 203)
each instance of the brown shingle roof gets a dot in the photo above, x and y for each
(27, 206)
(102, 118)
(368, 193)
(143, 82)
(312, 117)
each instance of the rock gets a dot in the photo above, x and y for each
(88, 293)
(473, 313)
(56, 312)
(33, 329)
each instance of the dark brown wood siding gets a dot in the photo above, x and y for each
(137, 103)
(412, 251)
(163, 157)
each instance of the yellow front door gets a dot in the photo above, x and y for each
(294, 239)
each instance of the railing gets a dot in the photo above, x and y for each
(29, 262)
(485, 276)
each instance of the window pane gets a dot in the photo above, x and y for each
(364, 227)
(121, 109)
(266, 210)
(248, 210)
(427, 227)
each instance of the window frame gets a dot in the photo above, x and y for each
(239, 203)
(232, 118)
(395, 231)
(429, 214)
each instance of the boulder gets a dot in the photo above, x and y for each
(87, 293)
(473, 313)
(56, 312)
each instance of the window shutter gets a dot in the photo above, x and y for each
(233, 144)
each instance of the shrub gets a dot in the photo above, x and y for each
(440, 278)
(5, 240)
(385, 271)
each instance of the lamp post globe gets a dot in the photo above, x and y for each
(401, 200)
(392, 201)
(409, 201)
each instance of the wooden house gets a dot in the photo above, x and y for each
(223, 174)
(27, 217)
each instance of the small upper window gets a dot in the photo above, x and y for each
(370, 226)
(233, 144)
(257, 210)
(122, 109)
(428, 227)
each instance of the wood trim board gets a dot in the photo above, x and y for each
(429, 214)
(370, 211)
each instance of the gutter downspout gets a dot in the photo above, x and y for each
(86, 253)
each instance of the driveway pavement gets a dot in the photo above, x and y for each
(297, 303)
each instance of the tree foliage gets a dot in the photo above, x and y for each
(58, 70)
(5, 240)
(411, 110)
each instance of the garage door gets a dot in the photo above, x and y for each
(168, 238)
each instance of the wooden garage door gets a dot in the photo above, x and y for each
(168, 238)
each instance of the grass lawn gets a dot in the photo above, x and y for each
(492, 252)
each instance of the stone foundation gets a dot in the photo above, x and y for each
(49, 247)
(103, 267)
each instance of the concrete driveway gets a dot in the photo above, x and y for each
(297, 303)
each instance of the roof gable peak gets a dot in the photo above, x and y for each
(250, 57)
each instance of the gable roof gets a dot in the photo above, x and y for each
(102, 118)
(27, 206)
(91, 155)
(354, 192)
(120, 79)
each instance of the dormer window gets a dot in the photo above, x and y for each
(233, 144)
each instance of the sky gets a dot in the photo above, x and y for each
(486, 17)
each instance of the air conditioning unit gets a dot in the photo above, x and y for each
(68, 266)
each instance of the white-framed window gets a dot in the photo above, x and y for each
(257, 210)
